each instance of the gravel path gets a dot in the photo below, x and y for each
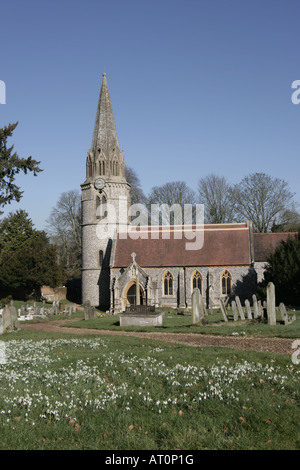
(275, 345)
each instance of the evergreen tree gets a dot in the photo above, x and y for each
(283, 270)
(27, 260)
(10, 165)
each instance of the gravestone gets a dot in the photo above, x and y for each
(197, 306)
(234, 310)
(10, 319)
(286, 319)
(240, 308)
(203, 305)
(283, 312)
(223, 310)
(89, 311)
(248, 309)
(271, 304)
(260, 309)
(255, 306)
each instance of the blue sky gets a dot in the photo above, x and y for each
(197, 87)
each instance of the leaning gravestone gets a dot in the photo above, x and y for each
(234, 310)
(271, 304)
(197, 309)
(89, 311)
(240, 308)
(223, 309)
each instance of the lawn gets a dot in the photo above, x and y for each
(123, 393)
(215, 324)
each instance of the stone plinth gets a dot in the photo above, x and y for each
(142, 318)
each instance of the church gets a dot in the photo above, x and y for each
(156, 265)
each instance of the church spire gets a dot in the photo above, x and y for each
(105, 133)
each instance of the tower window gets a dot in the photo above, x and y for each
(101, 168)
(101, 208)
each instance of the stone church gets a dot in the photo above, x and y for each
(152, 267)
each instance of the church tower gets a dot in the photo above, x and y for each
(104, 192)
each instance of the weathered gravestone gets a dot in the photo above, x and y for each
(248, 309)
(223, 309)
(255, 307)
(286, 319)
(283, 313)
(10, 319)
(234, 310)
(240, 308)
(271, 304)
(89, 311)
(197, 306)
(260, 309)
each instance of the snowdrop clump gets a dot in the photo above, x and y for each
(41, 380)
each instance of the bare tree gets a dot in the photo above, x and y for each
(136, 192)
(63, 227)
(217, 196)
(262, 199)
(172, 195)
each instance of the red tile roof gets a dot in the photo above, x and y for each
(224, 245)
(266, 243)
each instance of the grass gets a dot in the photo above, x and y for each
(123, 393)
(215, 324)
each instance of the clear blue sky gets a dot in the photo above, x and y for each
(197, 87)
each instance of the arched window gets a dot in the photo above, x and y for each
(226, 283)
(101, 168)
(197, 281)
(168, 283)
(101, 211)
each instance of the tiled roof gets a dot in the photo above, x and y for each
(223, 245)
(266, 243)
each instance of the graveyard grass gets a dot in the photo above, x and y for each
(213, 324)
(61, 391)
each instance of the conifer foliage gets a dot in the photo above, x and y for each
(10, 165)
(283, 270)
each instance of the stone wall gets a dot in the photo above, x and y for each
(151, 282)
